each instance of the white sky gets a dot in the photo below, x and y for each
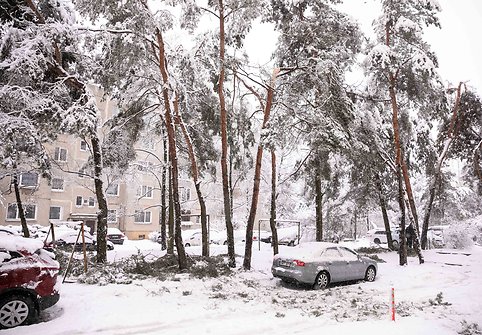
(457, 45)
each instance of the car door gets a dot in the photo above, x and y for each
(333, 261)
(354, 268)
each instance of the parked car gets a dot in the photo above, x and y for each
(262, 235)
(28, 276)
(435, 236)
(68, 239)
(195, 238)
(239, 235)
(6, 231)
(288, 236)
(115, 236)
(379, 236)
(321, 263)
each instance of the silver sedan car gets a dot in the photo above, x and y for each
(320, 263)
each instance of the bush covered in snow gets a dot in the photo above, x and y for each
(461, 235)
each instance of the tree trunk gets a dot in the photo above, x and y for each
(257, 173)
(318, 205)
(163, 193)
(400, 164)
(181, 253)
(195, 177)
(272, 220)
(438, 167)
(224, 139)
(383, 207)
(21, 212)
(170, 241)
(101, 201)
(403, 239)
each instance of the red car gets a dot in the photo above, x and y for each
(28, 278)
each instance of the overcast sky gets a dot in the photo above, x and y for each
(458, 44)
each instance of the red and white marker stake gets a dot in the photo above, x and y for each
(392, 307)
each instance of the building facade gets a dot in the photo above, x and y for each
(134, 199)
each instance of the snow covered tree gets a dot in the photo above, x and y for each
(320, 42)
(402, 66)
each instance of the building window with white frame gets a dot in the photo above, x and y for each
(55, 212)
(112, 216)
(185, 194)
(60, 154)
(83, 145)
(91, 201)
(112, 190)
(29, 179)
(57, 184)
(29, 210)
(79, 201)
(144, 166)
(142, 217)
(145, 191)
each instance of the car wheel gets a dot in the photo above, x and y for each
(291, 244)
(370, 274)
(377, 241)
(322, 280)
(16, 310)
(187, 245)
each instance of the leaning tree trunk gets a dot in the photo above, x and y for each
(383, 207)
(401, 168)
(224, 139)
(272, 219)
(195, 177)
(438, 168)
(181, 253)
(257, 173)
(163, 194)
(101, 201)
(21, 212)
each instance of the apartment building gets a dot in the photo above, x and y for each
(134, 199)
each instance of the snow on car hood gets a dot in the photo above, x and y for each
(14, 243)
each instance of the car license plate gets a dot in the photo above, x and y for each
(287, 264)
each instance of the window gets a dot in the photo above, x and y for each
(144, 166)
(55, 212)
(112, 189)
(348, 255)
(142, 217)
(111, 215)
(144, 191)
(29, 210)
(57, 184)
(185, 194)
(82, 172)
(331, 253)
(91, 202)
(83, 145)
(79, 201)
(60, 154)
(28, 179)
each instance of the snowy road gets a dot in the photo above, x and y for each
(254, 302)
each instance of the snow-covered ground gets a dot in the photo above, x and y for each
(253, 302)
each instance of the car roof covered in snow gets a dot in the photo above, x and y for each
(15, 243)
